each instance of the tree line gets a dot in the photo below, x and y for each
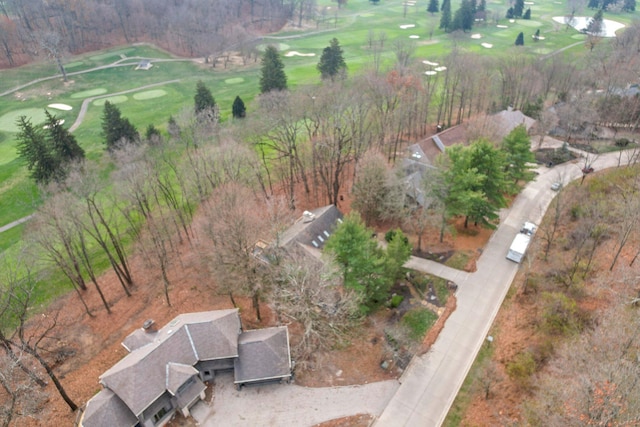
(29, 29)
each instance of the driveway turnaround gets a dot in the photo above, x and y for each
(292, 405)
(431, 381)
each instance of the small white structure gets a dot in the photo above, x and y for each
(521, 242)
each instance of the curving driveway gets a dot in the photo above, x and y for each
(431, 382)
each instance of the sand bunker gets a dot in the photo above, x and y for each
(63, 107)
(433, 64)
(441, 68)
(502, 26)
(580, 23)
(537, 38)
(405, 26)
(431, 73)
(487, 45)
(529, 2)
(413, 36)
(294, 53)
(476, 36)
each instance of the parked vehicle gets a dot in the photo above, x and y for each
(556, 186)
(520, 243)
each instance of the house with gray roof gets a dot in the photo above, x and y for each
(165, 370)
(312, 229)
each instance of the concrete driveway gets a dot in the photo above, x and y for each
(431, 382)
(286, 405)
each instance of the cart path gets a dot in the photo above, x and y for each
(87, 101)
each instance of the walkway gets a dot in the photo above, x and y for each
(15, 223)
(431, 382)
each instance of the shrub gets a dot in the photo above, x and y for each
(622, 142)
(576, 212)
(389, 235)
(418, 321)
(395, 301)
(561, 315)
(521, 368)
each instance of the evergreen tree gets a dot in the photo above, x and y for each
(47, 150)
(445, 17)
(272, 76)
(33, 150)
(331, 62)
(433, 7)
(527, 14)
(536, 36)
(61, 142)
(517, 146)
(361, 260)
(482, 6)
(116, 128)
(629, 5)
(463, 18)
(520, 39)
(510, 14)
(518, 8)
(238, 109)
(203, 98)
(594, 4)
(152, 134)
(595, 24)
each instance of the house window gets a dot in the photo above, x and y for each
(161, 413)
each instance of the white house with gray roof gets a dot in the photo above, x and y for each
(165, 370)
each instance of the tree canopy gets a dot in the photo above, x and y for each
(463, 18)
(47, 150)
(520, 39)
(445, 17)
(116, 128)
(203, 98)
(517, 147)
(238, 110)
(272, 75)
(434, 7)
(332, 63)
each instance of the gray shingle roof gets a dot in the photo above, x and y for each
(178, 374)
(317, 230)
(263, 355)
(106, 409)
(141, 377)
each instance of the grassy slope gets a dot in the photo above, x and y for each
(18, 196)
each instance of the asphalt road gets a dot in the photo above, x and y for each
(432, 381)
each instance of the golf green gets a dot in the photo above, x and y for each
(149, 94)
(118, 99)
(8, 122)
(234, 80)
(89, 93)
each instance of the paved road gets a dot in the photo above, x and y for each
(431, 382)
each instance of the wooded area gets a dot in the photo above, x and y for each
(36, 28)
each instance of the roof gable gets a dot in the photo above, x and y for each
(178, 374)
(264, 354)
(105, 409)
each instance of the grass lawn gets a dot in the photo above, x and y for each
(174, 81)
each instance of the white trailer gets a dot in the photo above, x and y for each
(521, 242)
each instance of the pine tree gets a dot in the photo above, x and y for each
(445, 18)
(203, 98)
(238, 109)
(61, 142)
(595, 24)
(152, 134)
(433, 7)
(173, 127)
(272, 76)
(594, 4)
(629, 5)
(520, 39)
(518, 8)
(33, 150)
(510, 14)
(482, 6)
(331, 62)
(116, 128)
(527, 14)
(536, 36)
(463, 18)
